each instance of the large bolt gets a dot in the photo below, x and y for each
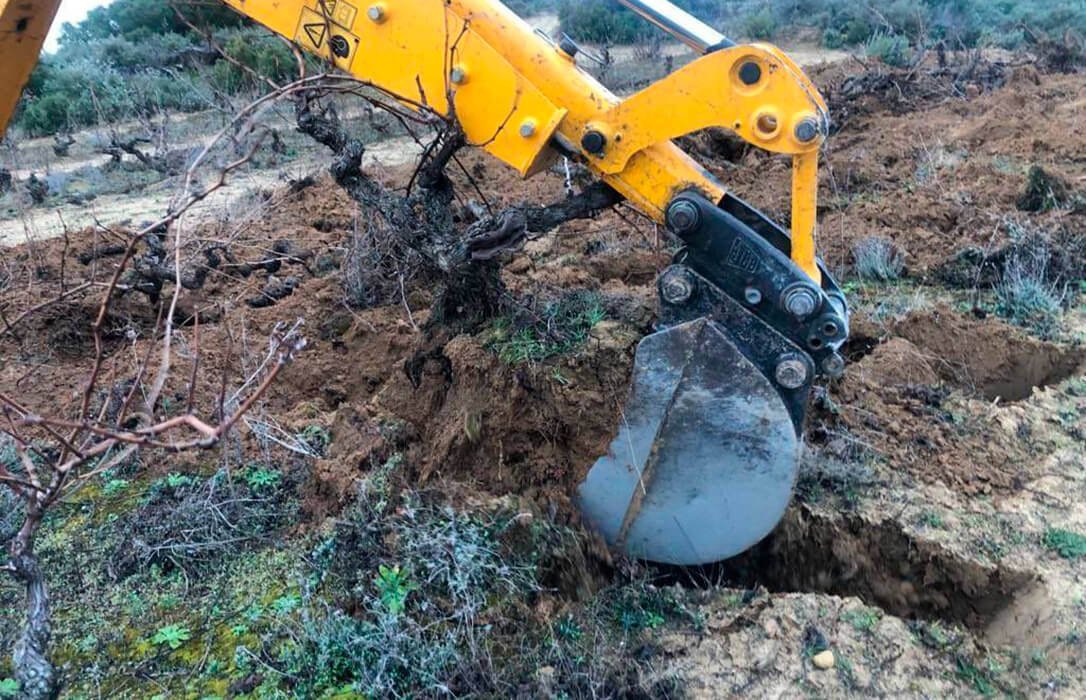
(807, 130)
(800, 300)
(753, 296)
(458, 75)
(594, 142)
(677, 284)
(527, 128)
(834, 365)
(791, 372)
(683, 216)
(376, 13)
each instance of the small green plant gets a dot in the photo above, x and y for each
(862, 619)
(284, 605)
(114, 487)
(1069, 545)
(172, 635)
(569, 629)
(261, 479)
(176, 481)
(878, 260)
(561, 326)
(317, 437)
(9, 688)
(980, 679)
(393, 586)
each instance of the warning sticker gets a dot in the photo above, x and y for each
(328, 34)
(340, 12)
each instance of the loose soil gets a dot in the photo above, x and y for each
(969, 429)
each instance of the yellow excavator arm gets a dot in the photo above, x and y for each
(704, 463)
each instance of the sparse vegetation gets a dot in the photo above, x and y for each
(1025, 294)
(902, 22)
(862, 619)
(558, 327)
(878, 260)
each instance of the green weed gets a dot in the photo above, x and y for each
(317, 437)
(393, 586)
(560, 327)
(261, 479)
(114, 487)
(1069, 545)
(980, 679)
(172, 635)
(862, 619)
(930, 518)
(568, 629)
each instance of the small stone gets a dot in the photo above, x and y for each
(823, 660)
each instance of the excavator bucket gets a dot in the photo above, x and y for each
(706, 454)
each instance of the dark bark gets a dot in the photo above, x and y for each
(585, 204)
(34, 672)
(421, 221)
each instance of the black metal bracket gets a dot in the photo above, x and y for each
(739, 251)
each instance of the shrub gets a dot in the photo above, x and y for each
(1043, 191)
(878, 260)
(833, 39)
(1024, 293)
(187, 522)
(891, 49)
(600, 22)
(761, 26)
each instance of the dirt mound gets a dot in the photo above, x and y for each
(932, 173)
(473, 418)
(908, 402)
(993, 359)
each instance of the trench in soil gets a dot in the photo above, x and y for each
(1019, 370)
(878, 562)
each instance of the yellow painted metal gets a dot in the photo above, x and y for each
(804, 213)
(501, 75)
(709, 92)
(515, 93)
(23, 27)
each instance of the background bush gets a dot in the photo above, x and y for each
(961, 22)
(137, 56)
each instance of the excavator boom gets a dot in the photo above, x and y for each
(706, 457)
